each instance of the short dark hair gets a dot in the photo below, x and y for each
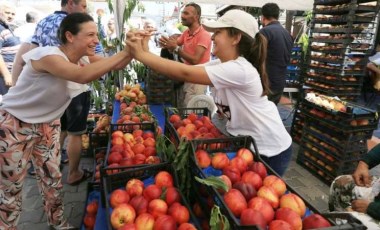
(64, 2)
(271, 11)
(31, 17)
(72, 24)
(196, 7)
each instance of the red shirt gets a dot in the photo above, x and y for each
(189, 42)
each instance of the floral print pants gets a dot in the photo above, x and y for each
(20, 142)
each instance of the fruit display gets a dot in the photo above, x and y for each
(253, 196)
(131, 93)
(102, 124)
(129, 149)
(342, 37)
(149, 201)
(189, 124)
(130, 112)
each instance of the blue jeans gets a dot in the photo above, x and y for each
(280, 162)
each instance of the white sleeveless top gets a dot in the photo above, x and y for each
(40, 97)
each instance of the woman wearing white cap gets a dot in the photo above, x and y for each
(240, 79)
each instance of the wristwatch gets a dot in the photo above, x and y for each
(176, 50)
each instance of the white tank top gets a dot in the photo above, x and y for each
(40, 97)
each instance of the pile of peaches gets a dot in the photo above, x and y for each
(194, 127)
(253, 196)
(90, 214)
(131, 93)
(156, 206)
(128, 149)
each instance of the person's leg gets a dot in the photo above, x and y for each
(280, 162)
(46, 160)
(14, 156)
(76, 126)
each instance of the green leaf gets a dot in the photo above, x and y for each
(218, 221)
(213, 181)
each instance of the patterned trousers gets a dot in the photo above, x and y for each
(20, 142)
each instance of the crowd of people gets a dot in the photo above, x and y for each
(49, 101)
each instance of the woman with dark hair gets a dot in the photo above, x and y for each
(30, 112)
(240, 79)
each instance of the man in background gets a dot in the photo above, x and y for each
(280, 44)
(150, 25)
(26, 31)
(9, 44)
(193, 47)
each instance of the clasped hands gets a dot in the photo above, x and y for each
(137, 42)
(362, 178)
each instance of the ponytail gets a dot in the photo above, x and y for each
(257, 57)
(255, 51)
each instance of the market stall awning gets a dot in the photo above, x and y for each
(283, 4)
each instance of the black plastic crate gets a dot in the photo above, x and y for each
(99, 155)
(159, 89)
(128, 128)
(339, 144)
(230, 145)
(146, 174)
(170, 130)
(133, 126)
(329, 160)
(296, 131)
(340, 125)
(97, 140)
(353, 111)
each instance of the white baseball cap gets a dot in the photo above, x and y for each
(237, 19)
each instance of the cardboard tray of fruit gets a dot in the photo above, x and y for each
(359, 131)
(189, 123)
(153, 199)
(344, 113)
(259, 188)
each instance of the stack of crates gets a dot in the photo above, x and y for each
(159, 89)
(332, 142)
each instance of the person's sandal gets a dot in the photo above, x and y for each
(63, 226)
(86, 174)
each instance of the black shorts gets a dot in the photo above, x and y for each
(74, 120)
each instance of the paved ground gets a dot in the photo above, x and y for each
(33, 217)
